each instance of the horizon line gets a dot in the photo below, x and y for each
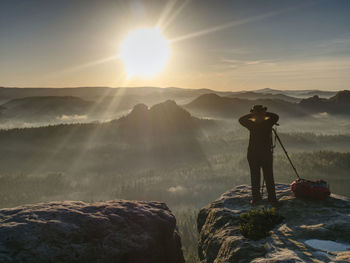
(167, 87)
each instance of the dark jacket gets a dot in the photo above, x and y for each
(260, 140)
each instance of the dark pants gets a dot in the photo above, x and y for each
(256, 162)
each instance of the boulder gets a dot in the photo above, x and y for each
(312, 231)
(73, 231)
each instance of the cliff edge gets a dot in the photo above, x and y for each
(312, 231)
(73, 231)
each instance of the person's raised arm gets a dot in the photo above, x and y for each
(245, 121)
(273, 117)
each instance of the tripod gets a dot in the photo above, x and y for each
(277, 138)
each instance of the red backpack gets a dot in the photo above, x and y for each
(310, 189)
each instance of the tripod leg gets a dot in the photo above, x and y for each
(287, 155)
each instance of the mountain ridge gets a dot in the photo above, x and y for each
(218, 106)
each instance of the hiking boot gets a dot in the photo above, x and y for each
(276, 204)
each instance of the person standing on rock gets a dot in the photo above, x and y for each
(259, 123)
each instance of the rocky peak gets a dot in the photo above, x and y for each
(139, 112)
(309, 232)
(169, 110)
(342, 97)
(139, 109)
(160, 119)
(207, 99)
(312, 100)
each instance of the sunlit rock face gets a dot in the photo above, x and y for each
(305, 235)
(69, 231)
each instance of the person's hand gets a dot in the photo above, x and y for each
(259, 114)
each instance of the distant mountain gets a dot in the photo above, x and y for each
(315, 104)
(161, 120)
(44, 108)
(113, 101)
(225, 107)
(213, 105)
(342, 98)
(162, 134)
(338, 104)
(321, 93)
(7, 94)
(23, 106)
(149, 95)
(250, 95)
(62, 109)
(299, 93)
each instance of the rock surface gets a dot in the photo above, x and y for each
(221, 241)
(73, 231)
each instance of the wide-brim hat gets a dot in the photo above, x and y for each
(258, 109)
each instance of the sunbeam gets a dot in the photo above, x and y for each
(77, 162)
(85, 65)
(67, 139)
(236, 23)
(166, 23)
(166, 11)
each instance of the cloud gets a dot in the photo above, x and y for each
(236, 63)
(312, 68)
(334, 45)
(328, 73)
(254, 62)
(177, 189)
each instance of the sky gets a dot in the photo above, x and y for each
(221, 44)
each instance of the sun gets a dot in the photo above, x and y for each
(144, 52)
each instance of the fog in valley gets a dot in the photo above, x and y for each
(182, 147)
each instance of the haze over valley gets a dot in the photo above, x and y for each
(140, 101)
(154, 132)
(183, 147)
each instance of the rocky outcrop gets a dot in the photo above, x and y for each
(166, 118)
(338, 104)
(72, 231)
(217, 106)
(312, 231)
